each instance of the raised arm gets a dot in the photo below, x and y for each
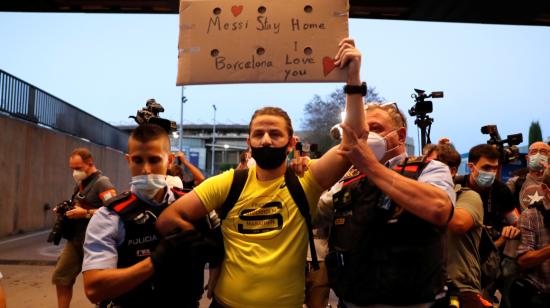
(332, 166)
(198, 177)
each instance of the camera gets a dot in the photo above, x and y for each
(63, 225)
(150, 114)
(508, 152)
(421, 109)
(422, 106)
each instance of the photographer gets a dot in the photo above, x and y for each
(499, 214)
(526, 187)
(92, 190)
(498, 205)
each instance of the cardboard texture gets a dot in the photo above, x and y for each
(253, 41)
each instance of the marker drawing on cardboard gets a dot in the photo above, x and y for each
(256, 41)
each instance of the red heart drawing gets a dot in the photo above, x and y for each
(328, 65)
(236, 10)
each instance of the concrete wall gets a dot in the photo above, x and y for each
(34, 163)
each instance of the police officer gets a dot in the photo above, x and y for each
(390, 212)
(126, 263)
(92, 190)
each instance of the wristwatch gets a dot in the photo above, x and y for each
(88, 214)
(362, 89)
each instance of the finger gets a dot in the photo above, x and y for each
(507, 233)
(348, 56)
(343, 59)
(347, 40)
(342, 152)
(343, 48)
(209, 292)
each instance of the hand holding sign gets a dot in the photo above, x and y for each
(348, 54)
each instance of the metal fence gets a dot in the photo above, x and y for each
(23, 100)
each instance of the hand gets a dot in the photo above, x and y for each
(171, 247)
(76, 213)
(213, 275)
(356, 149)
(300, 165)
(188, 249)
(350, 56)
(181, 156)
(510, 232)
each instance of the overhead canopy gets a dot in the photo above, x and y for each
(516, 12)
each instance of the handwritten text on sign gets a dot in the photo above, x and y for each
(260, 41)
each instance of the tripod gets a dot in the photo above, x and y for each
(424, 122)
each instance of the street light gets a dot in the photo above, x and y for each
(225, 147)
(183, 101)
(213, 140)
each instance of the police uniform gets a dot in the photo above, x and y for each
(125, 233)
(381, 253)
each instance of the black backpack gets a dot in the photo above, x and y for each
(296, 191)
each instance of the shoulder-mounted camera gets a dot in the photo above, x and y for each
(508, 152)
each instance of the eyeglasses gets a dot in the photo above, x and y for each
(393, 110)
(541, 151)
(382, 105)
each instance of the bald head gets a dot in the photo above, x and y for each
(539, 145)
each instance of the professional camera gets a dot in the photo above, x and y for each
(507, 153)
(63, 225)
(422, 106)
(150, 114)
(421, 109)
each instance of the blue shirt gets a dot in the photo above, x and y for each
(435, 173)
(105, 233)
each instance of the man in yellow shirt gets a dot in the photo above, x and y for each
(265, 236)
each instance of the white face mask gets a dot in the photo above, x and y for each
(79, 175)
(378, 145)
(147, 186)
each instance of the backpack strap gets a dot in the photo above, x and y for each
(237, 185)
(299, 196)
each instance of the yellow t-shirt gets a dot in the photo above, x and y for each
(265, 239)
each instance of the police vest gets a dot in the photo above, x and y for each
(379, 252)
(140, 240)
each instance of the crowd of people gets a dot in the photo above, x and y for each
(383, 229)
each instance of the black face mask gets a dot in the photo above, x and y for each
(269, 158)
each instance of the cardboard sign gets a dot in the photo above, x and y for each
(260, 41)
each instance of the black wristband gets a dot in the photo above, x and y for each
(362, 89)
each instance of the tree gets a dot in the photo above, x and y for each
(535, 133)
(322, 114)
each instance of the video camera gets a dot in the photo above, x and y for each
(150, 114)
(507, 153)
(63, 225)
(421, 109)
(422, 106)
